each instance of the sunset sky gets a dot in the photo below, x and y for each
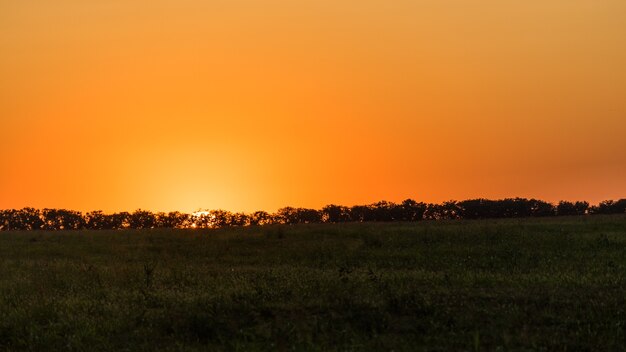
(248, 104)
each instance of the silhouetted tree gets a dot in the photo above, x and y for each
(173, 220)
(582, 207)
(408, 210)
(4, 220)
(362, 213)
(97, 220)
(412, 210)
(142, 219)
(6, 217)
(239, 219)
(219, 218)
(61, 219)
(611, 207)
(335, 213)
(446, 211)
(516, 207)
(260, 218)
(290, 215)
(503, 208)
(121, 220)
(383, 211)
(569, 208)
(25, 219)
(476, 209)
(541, 208)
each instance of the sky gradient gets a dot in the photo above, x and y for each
(246, 104)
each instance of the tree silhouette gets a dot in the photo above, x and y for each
(541, 208)
(121, 220)
(408, 210)
(569, 208)
(142, 219)
(611, 207)
(362, 213)
(290, 215)
(173, 220)
(239, 219)
(335, 213)
(412, 210)
(61, 219)
(25, 219)
(446, 211)
(260, 218)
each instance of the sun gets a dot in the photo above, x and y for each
(202, 218)
(200, 213)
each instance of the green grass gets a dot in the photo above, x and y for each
(528, 284)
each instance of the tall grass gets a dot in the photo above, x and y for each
(522, 284)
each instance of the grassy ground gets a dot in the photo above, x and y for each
(530, 284)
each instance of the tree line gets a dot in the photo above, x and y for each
(408, 210)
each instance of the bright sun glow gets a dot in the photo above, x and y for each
(200, 213)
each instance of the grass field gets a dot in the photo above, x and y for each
(527, 284)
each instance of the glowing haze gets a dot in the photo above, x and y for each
(249, 104)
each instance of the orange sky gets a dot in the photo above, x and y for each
(249, 104)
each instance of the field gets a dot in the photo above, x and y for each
(527, 284)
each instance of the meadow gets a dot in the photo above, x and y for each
(540, 284)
